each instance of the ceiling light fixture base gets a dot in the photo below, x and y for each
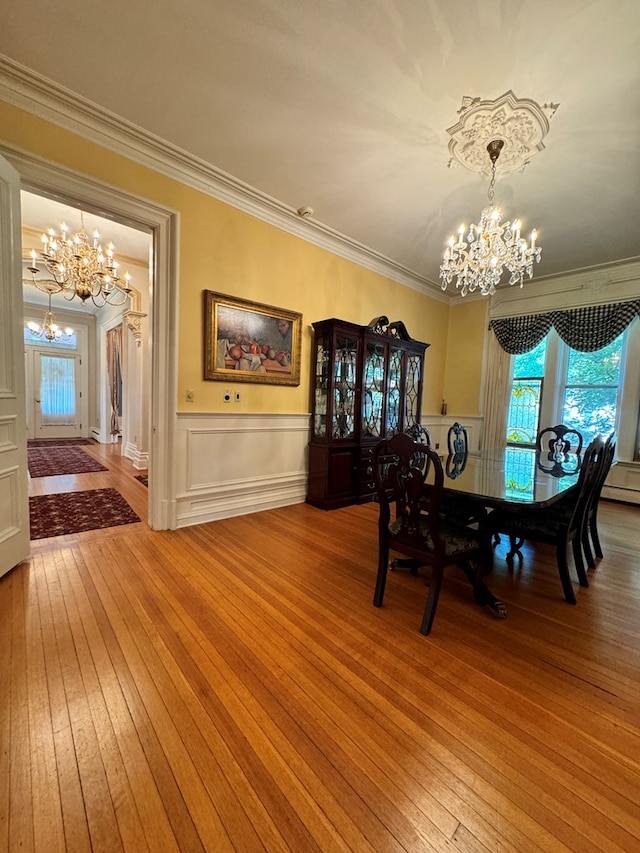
(520, 124)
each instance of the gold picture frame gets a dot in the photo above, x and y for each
(250, 342)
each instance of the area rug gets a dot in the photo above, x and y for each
(57, 442)
(144, 479)
(74, 512)
(51, 461)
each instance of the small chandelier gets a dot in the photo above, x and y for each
(49, 330)
(477, 264)
(81, 267)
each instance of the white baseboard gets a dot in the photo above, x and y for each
(140, 460)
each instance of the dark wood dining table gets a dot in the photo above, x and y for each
(512, 477)
(517, 476)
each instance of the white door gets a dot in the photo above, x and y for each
(14, 494)
(57, 396)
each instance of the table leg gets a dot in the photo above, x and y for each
(482, 593)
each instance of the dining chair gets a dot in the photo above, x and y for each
(560, 524)
(557, 441)
(410, 522)
(420, 434)
(590, 526)
(457, 439)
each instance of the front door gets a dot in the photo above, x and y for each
(57, 401)
(14, 495)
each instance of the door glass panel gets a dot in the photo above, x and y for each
(393, 397)
(414, 365)
(57, 391)
(344, 403)
(322, 380)
(373, 390)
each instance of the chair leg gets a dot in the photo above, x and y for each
(432, 600)
(593, 527)
(586, 547)
(563, 569)
(381, 580)
(577, 558)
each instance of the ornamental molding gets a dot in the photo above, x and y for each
(133, 320)
(521, 124)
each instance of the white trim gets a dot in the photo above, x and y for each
(234, 464)
(24, 88)
(66, 184)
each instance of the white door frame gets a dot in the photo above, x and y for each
(44, 177)
(14, 493)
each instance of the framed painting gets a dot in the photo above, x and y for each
(250, 342)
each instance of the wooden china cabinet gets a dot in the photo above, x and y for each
(367, 385)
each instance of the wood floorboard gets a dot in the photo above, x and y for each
(230, 687)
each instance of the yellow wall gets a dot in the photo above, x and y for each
(468, 321)
(228, 251)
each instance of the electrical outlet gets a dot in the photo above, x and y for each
(189, 395)
(437, 445)
(227, 396)
(237, 397)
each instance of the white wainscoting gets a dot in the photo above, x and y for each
(438, 426)
(233, 464)
(623, 483)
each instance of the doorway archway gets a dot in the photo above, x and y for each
(61, 183)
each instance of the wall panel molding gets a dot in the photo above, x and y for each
(234, 464)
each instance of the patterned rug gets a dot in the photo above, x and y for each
(74, 512)
(143, 478)
(57, 442)
(51, 461)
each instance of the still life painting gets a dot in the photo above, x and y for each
(251, 342)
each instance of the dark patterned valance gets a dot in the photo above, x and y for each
(584, 329)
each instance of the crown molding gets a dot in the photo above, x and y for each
(23, 88)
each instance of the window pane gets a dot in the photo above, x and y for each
(526, 395)
(591, 392)
(524, 411)
(530, 363)
(591, 410)
(57, 391)
(596, 368)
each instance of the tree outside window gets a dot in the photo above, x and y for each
(581, 389)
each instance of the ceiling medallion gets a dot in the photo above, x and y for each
(520, 123)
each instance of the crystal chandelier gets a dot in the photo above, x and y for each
(476, 261)
(49, 330)
(80, 267)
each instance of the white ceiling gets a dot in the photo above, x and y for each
(344, 106)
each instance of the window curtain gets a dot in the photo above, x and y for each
(497, 389)
(585, 329)
(114, 350)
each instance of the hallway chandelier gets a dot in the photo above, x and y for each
(476, 260)
(80, 267)
(49, 330)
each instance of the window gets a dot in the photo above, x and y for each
(556, 384)
(591, 389)
(523, 418)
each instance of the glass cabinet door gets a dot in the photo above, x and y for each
(373, 389)
(394, 392)
(343, 424)
(323, 354)
(412, 390)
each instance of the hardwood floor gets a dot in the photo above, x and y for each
(231, 687)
